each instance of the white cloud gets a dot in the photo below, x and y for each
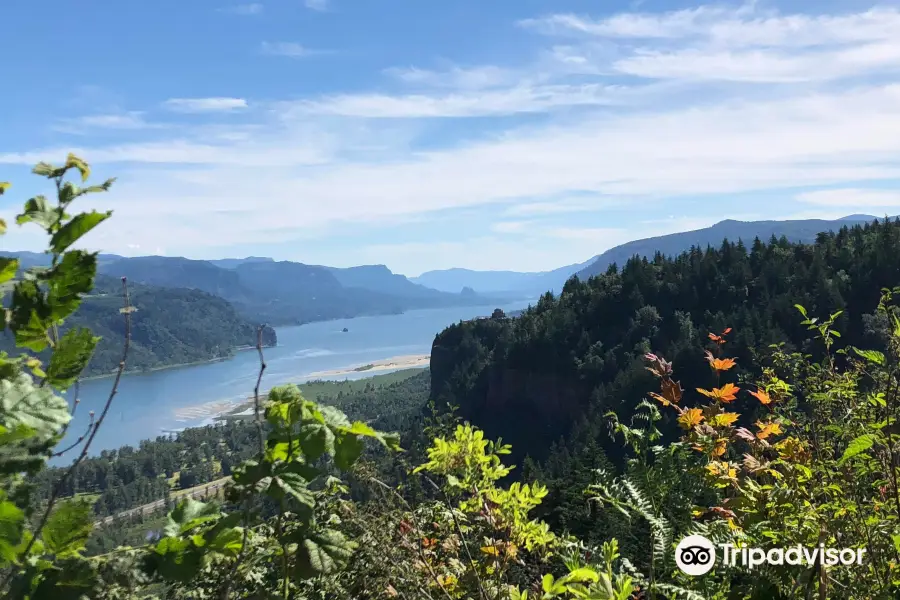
(525, 99)
(318, 5)
(288, 49)
(852, 198)
(197, 105)
(474, 78)
(124, 121)
(742, 44)
(245, 9)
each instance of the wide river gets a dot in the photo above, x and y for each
(152, 404)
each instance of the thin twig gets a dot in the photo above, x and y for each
(419, 531)
(76, 442)
(112, 394)
(460, 531)
(75, 403)
(226, 589)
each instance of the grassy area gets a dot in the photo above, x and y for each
(201, 487)
(314, 389)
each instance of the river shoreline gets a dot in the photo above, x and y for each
(195, 363)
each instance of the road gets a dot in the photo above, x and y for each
(212, 488)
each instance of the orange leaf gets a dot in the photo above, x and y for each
(662, 400)
(726, 393)
(690, 418)
(722, 364)
(727, 331)
(719, 450)
(767, 429)
(762, 396)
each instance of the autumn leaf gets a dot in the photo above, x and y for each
(723, 419)
(690, 418)
(727, 331)
(719, 364)
(726, 393)
(767, 429)
(762, 396)
(662, 400)
(721, 445)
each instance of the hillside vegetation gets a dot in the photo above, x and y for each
(171, 326)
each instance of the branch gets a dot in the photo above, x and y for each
(57, 489)
(226, 589)
(78, 441)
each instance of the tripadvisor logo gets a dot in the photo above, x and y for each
(696, 555)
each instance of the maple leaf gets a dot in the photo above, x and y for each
(719, 364)
(767, 429)
(724, 419)
(762, 396)
(726, 393)
(727, 331)
(661, 399)
(690, 418)
(719, 450)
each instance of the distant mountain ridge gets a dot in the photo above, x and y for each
(529, 284)
(798, 231)
(290, 293)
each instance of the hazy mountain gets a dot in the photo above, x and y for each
(284, 292)
(801, 231)
(500, 282)
(231, 263)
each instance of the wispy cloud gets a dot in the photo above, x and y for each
(199, 105)
(319, 5)
(245, 10)
(289, 49)
(855, 198)
(122, 121)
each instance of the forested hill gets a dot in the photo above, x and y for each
(171, 326)
(800, 231)
(571, 358)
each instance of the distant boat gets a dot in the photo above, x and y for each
(345, 330)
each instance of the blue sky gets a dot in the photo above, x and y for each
(511, 134)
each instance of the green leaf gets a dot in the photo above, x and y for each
(296, 487)
(347, 450)
(8, 268)
(72, 231)
(38, 210)
(189, 514)
(802, 310)
(68, 281)
(4, 185)
(28, 316)
(38, 408)
(70, 357)
(857, 446)
(315, 440)
(68, 528)
(870, 355)
(322, 553)
(73, 161)
(12, 523)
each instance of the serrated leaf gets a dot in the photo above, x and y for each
(8, 268)
(347, 450)
(870, 355)
(38, 408)
(70, 357)
(857, 446)
(189, 514)
(68, 281)
(68, 528)
(12, 523)
(38, 210)
(72, 231)
(316, 439)
(73, 161)
(294, 486)
(322, 553)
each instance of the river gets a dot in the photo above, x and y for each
(147, 404)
